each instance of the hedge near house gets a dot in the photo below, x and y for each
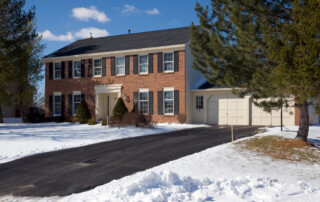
(119, 109)
(83, 112)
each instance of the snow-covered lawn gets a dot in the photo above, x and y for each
(221, 173)
(18, 140)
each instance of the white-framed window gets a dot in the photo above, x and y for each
(120, 66)
(143, 64)
(76, 69)
(168, 101)
(57, 70)
(144, 101)
(168, 62)
(199, 102)
(76, 97)
(97, 67)
(57, 104)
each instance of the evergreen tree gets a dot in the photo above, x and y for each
(119, 109)
(83, 112)
(20, 49)
(269, 49)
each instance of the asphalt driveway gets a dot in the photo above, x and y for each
(79, 169)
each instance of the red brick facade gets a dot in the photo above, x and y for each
(130, 83)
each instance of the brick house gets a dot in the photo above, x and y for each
(151, 71)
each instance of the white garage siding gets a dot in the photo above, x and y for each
(221, 107)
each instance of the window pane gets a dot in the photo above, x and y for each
(57, 105)
(143, 107)
(77, 98)
(143, 59)
(57, 74)
(77, 69)
(168, 95)
(199, 102)
(57, 98)
(76, 105)
(168, 106)
(168, 66)
(144, 96)
(144, 68)
(97, 63)
(57, 66)
(168, 57)
(120, 61)
(97, 71)
(120, 69)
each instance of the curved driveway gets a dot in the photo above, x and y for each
(75, 170)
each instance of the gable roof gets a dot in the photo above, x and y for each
(125, 42)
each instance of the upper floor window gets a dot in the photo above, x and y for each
(57, 104)
(76, 69)
(57, 70)
(143, 64)
(168, 62)
(168, 102)
(120, 66)
(144, 101)
(97, 67)
(199, 102)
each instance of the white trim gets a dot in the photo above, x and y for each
(124, 66)
(73, 69)
(113, 53)
(54, 70)
(93, 67)
(168, 62)
(143, 63)
(56, 93)
(214, 89)
(143, 89)
(168, 88)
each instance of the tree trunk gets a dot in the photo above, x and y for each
(1, 118)
(304, 122)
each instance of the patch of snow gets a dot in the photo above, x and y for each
(221, 173)
(12, 120)
(18, 140)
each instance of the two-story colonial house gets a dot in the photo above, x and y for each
(151, 71)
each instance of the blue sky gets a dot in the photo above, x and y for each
(64, 21)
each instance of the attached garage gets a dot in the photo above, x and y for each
(219, 106)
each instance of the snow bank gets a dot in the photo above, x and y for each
(18, 140)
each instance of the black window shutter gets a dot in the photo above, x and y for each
(70, 104)
(103, 66)
(113, 66)
(150, 62)
(63, 65)
(135, 101)
(127, 61)
(176, 102)
(135, 64)
(90, 68)
(62, 105)
(70, 69)
(160, 102)
(176, 61)
(160, 62)
(82, 97)
(83, 68)
(50, 70)
(150, 102)
(50, 105)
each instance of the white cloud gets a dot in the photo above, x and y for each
(71, 36)
(86, 14)
(96, 32)
(128, 9)
(47, 35)
(153, 12)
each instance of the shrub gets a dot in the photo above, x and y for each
(83, 112)
(58, 119)
(35, 116)
(119, 110)
(182, 118)
(136, 119)
(92, 122)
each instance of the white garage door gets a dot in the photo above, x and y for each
(227, 109)
(260, 117)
